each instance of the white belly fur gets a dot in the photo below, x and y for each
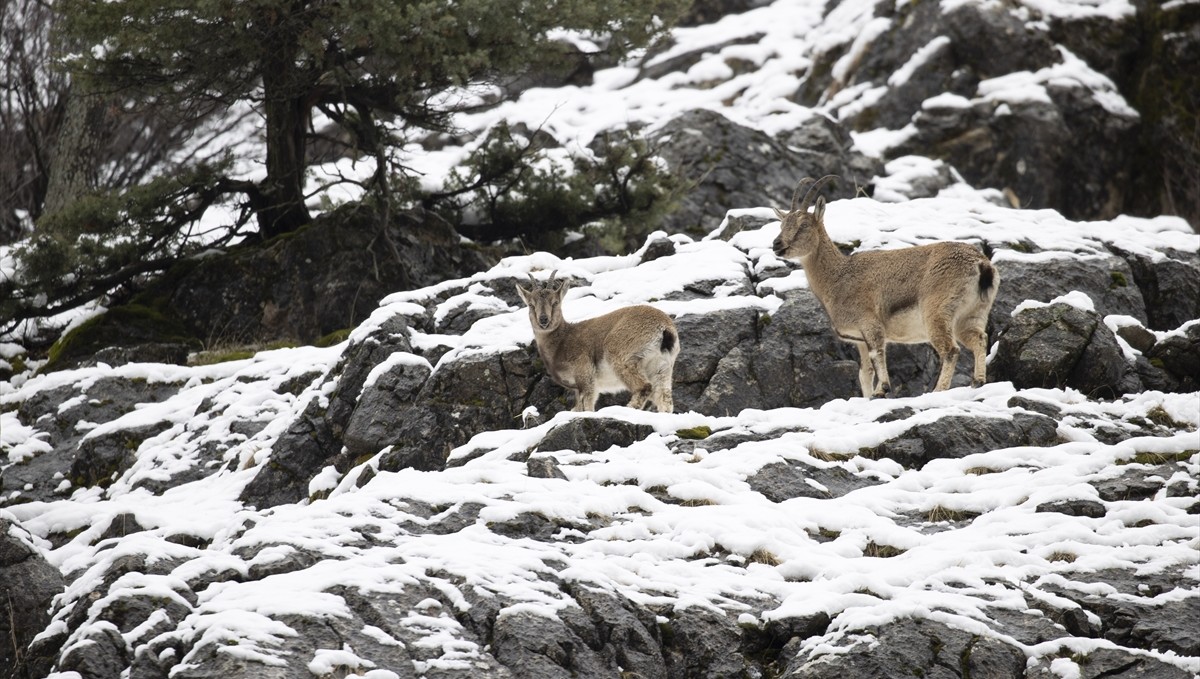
(607, 381)
(907, 327)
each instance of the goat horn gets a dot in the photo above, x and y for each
(816, 187)
(796, 194)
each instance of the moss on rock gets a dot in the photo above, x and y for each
(122, 326)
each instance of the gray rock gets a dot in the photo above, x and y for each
(1137, 337)
(702, 644)
(1088, 508)
(592, 434)
(56, 412)
(373, 424)
(175, 353)
(298, 454)
(1170, 285)
(1179, 355)
(28, 583)
(1108, 281)
(1035, 406)
(796, 361)
(357, 362)
(911, 647)
(100, 460)
(102, 653)
(741, 167)
(1031, 149)
(1139, 482)
(544, 467)
(704, 340)
(956, 437)
(1141, 618)
(736, 223)
(1062, 346)
(781, 481)
(423, 438)
(626, 634)
(1112, 663)
(326, 277)
(537, 647)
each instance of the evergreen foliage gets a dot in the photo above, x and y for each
(362, 63)
(103, 242)
(379, 71)
(514, 186)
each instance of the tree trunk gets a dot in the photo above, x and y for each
(287, 129)
(87, 128)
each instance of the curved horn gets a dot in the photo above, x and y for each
(550, 281)
(816, 187)
(796, 194)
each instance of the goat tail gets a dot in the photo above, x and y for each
(668, 341)
(989, 279)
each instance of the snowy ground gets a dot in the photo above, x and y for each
(661, 524)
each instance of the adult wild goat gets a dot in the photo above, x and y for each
(939, 293)
(631, 349)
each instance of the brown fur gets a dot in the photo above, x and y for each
(631, 349)
(939, 293)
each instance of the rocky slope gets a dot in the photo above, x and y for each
(1086, 107)
(412, 502)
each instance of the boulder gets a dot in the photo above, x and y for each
(740, 167)
(913, 647)
(796, 361)
(1061, 345)
(28, 583)
(593, 434)
(704, 644)
(1106, 663)
(1142, 617)
(954, 437)
(780, 481)
(1169, 284)
(1108, 280)
(1179, 355)
(325, 277)
(307, 447)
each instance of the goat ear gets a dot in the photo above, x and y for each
(819, 210)
(562, 288)
(779, 213)
(523, 293)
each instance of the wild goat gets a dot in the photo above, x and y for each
(631, 349)
(939, 293)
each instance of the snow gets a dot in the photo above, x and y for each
(680, 529)
(1075, 298)
(698, 549)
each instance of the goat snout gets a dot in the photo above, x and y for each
(778, 246)
(544, 321)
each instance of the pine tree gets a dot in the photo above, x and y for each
(363, 63)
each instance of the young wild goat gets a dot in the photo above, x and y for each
(939, 293)
(631, 349)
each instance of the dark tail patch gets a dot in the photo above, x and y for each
(987, 278)
(668, 341)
